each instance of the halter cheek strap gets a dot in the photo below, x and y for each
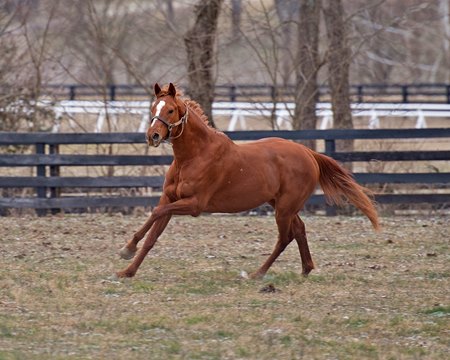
(170, 126)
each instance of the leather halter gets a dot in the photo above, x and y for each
(170, 126)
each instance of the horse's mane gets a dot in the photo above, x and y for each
(193, 105)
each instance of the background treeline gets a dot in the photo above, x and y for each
(202, 43)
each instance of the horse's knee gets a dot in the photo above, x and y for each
(196, 211)
(157, 212)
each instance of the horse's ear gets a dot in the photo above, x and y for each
(157, 89)
(172, 90)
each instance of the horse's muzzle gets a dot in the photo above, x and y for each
(155, 140)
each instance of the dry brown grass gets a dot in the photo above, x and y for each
(372, 296)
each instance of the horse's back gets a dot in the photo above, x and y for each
(294, 162)
(287, 153)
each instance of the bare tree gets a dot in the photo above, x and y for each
(262, 35)
(444, 7)
(306, 89)
(37, 48)
(200, 42)
(236, 12)
(287, 11)
(170, 12)
(23, 65)
(10, 64)
(339, 57)
(98, 32)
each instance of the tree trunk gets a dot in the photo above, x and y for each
(444, 8)
(236, 11)
(306, 89)
(170, 12)
(287, 11)
(338, 68)
(199, 41)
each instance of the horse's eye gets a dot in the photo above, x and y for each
(170, 111)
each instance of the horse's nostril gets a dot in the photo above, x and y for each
(155, 137)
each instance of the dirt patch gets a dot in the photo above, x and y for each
(377, 296)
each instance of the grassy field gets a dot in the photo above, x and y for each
(372, 296)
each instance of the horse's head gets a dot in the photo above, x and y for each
(168, 116)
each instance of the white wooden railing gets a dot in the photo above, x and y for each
(239, 112)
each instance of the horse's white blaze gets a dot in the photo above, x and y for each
(159, 107)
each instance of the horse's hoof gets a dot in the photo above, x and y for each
(307, 270)
(126, 253)
(257, 276)
(124, 274)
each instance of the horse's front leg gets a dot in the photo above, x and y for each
(158, 227)
(128, 251)
(158, 221)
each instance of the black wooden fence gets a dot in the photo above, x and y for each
(377, 93)
(47, 161)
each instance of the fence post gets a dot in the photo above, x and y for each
(273, 93)
(41, 191)
(233, 93)
(54, 171)
(72, 92)
(330, 149)
(360, 93)
(404, 93)
(112, 92)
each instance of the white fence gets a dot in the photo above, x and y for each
(239, 112)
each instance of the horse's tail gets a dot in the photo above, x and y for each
(338, 184)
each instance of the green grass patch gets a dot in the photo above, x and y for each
(11, 355)
(438, 311)
(433, 275)
(172, 347)
(6, 330)
(198, 319)
(223, 334)
(139, 286)
(284, 278)
(357, 322)
(320, 279)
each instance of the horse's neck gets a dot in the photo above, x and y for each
(196, 139)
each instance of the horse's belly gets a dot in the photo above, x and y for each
(239, 197)
(233, 205)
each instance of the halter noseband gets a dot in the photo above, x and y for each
(170, 126)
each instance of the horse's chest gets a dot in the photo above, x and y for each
(184, 186)
(191, 181)
(184, 189)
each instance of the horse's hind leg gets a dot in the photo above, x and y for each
(299, 232)
(284, 238)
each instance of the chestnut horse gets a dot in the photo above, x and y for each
(212, 174)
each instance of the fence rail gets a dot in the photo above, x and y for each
(238, 112)
(48, 161)
(399, 93)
